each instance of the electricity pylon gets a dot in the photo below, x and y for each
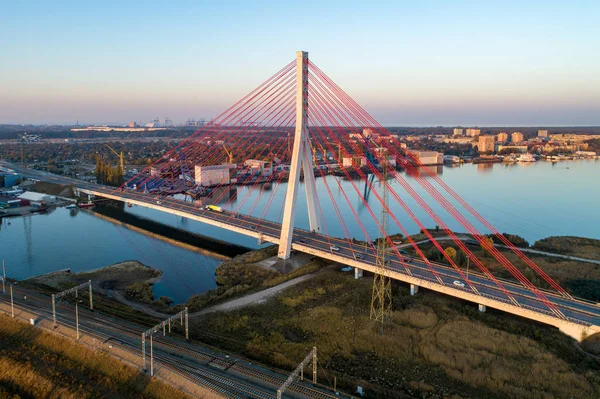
(381, 300)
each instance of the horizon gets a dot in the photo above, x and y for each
(493, 64)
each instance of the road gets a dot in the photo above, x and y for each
(434, 274)
(528, 250)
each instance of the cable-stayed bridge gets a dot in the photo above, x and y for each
(300, 126)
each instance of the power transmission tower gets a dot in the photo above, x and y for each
(381, 300)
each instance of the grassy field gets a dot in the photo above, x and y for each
(242, 275)
(37, 364)
(432, 346)
(574, 246)
(579, 278)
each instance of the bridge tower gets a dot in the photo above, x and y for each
(381, 300)
(301, 157)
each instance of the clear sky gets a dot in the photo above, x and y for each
(422, 62)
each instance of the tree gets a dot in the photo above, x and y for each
(451, 252)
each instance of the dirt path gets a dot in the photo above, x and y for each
(257, 297)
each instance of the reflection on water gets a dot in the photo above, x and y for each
(533, 200)
(485, 167)
(515, 198)
(75, 239)
(424, 171)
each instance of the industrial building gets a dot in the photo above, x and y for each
(357, 161)
(9, 179)
(214, 175)
(428, 157)
(258, 167)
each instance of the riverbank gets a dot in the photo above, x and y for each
(211, 244)
(123, 289)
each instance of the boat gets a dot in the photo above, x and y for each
(71, 206)
(88, 204)
(525, 158)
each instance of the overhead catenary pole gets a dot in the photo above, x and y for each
(144, 349)
(64, 293)
(77, 319)
(54, 310)
(12, 304)
(300, 371)
(301, 158)
(151, 358)
(91, 299)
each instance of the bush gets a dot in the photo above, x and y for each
(141, 292)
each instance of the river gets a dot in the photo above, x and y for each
(532, 200)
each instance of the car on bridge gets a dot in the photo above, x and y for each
(334, 248)
(358, 256)
(459, 283)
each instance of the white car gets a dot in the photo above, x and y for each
(459, 284)
(334, 248)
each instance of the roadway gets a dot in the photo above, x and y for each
(417, 271)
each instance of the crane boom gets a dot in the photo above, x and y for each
(122, 164)
(229, 154)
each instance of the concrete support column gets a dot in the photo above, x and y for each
(358, 273)
(414, 289)
(482, 308)
(301, 158)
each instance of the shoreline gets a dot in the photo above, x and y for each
(173, 235)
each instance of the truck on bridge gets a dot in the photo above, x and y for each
(214, 208)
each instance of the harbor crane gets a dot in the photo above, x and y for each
(229, 154)
(120, 155)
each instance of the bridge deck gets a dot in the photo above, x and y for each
(579, 313)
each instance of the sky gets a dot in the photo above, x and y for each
(409, 63)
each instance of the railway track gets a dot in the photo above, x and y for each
(195, 364)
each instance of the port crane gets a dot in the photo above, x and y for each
(229, 154)
(120, 155)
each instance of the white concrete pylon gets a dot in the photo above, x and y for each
(301, 157)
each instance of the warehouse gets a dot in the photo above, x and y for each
(215, 175)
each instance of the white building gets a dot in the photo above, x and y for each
(428, 157)
(33, 196)
(214, 175)
(458, 131)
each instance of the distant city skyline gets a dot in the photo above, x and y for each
(430, 63)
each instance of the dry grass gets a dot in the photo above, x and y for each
(433, 346)
(37, 364)
(574, 246)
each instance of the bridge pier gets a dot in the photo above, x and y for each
(482, 308)
(358, 273)
(414, 289)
